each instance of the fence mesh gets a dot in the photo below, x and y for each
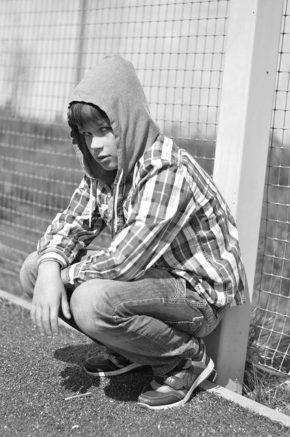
(272, 316)
(177, 48)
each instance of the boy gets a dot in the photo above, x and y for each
(173, 264)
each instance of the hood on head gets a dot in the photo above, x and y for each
(114, 87)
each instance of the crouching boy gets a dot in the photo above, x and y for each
(173, 265)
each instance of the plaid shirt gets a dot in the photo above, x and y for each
(172, 218)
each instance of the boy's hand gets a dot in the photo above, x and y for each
(49, 294)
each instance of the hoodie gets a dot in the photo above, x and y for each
(163, 210)
(114, 87)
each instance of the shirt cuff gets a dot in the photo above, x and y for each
(52, 256)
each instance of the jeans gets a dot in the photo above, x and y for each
(155, 320)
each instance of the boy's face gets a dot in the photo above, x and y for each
(102, 143)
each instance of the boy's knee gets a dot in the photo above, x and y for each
(90, 306)
(28, 273)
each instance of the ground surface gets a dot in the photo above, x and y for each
(39, 376)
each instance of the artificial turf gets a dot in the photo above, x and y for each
(41, 381)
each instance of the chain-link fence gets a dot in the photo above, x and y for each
(272, 317)
(178, 50)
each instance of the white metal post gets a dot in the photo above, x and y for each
(241, 156)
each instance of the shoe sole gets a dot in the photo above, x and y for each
(202, 377)
(117, 372)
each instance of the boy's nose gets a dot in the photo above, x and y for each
(96, 143)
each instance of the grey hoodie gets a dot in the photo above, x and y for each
(114, 87)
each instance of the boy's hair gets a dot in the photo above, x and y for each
(80, 114)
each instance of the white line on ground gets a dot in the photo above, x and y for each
(25, 303)
(255, 407)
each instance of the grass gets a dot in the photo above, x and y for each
(268, 387)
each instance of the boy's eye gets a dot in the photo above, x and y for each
(105, 129)
(100, 130)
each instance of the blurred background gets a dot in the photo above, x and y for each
(178, 49)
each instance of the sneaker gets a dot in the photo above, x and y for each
(111, 365)
(176, 388)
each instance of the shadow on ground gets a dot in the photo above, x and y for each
(122, 388)
(127, 388)
(76, 354)
(74, 378)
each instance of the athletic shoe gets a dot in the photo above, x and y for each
(176, 388)
(111, 365)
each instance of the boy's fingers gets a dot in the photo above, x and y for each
(54, 320)
(38, 319)
(65, 306)
(46, 320)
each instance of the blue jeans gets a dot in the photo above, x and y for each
(155, 320)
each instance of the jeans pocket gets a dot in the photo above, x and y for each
(211, 314)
